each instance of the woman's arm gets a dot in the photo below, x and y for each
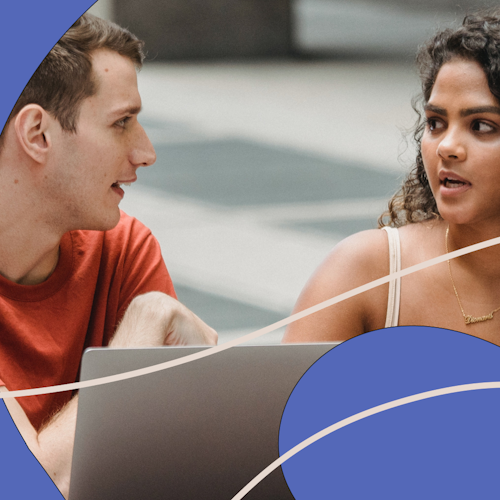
(357, 260)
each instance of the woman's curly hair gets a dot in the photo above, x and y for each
(478, 39)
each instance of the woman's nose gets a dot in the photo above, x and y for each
(451, 147)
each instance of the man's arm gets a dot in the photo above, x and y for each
(155, 319)
(152, 319)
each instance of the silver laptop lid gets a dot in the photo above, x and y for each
(201, 430)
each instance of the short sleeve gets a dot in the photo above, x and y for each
(143, 267)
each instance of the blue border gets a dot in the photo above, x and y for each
(28, 30)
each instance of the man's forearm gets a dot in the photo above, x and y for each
(156, 319)
(56, 440)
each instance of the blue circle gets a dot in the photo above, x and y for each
(443, 447)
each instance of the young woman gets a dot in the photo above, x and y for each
(450, 200)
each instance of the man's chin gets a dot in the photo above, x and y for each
(102, 222)
(111, 222)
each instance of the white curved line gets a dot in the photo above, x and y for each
(208, 352)
(357, 417)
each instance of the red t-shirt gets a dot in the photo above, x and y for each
(45, 328)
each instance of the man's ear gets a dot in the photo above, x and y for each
(32, 130)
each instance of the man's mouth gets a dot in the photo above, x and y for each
(117, 184)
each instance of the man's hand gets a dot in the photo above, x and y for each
(156, 319)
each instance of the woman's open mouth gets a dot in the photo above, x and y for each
(453, 187)
(452, 184)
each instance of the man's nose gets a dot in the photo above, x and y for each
(143, 154)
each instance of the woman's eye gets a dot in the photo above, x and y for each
(433, 124)
(483, 127)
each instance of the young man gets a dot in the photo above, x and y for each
(75, 271)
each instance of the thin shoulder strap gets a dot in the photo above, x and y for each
(394, 285)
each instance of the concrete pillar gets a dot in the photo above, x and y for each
(104, 9)
(204, 29)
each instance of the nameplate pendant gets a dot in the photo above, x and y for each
(472, 319)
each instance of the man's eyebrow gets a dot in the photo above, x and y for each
(127, 110)
(480, 109)
(435, 109)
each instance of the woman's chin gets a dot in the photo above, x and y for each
(456, 217)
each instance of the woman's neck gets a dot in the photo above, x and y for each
(484, 263)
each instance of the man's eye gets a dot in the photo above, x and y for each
(122, 122)
(483, 127)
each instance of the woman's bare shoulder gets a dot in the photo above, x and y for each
(364, 251)
(416, 229)
(355, 261)
(413, 236)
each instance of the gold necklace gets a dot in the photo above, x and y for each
(469, 319)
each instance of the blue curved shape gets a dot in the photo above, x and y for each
(23, 478)
(444, 447)
(28, 30)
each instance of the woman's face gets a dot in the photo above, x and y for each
(461, 144)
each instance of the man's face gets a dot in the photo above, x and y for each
(106, 150)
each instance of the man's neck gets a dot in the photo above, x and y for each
(29, 240)
(33, 273)
(29, 251)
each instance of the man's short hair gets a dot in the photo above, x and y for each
(64, 78)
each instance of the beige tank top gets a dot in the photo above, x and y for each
(394, 285)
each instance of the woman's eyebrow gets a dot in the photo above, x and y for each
(463, 112)
(480, 109)
(435, 109)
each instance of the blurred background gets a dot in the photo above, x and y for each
(278, 127)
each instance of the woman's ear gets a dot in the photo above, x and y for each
(32, 130)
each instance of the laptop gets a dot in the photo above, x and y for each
(201, 430)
